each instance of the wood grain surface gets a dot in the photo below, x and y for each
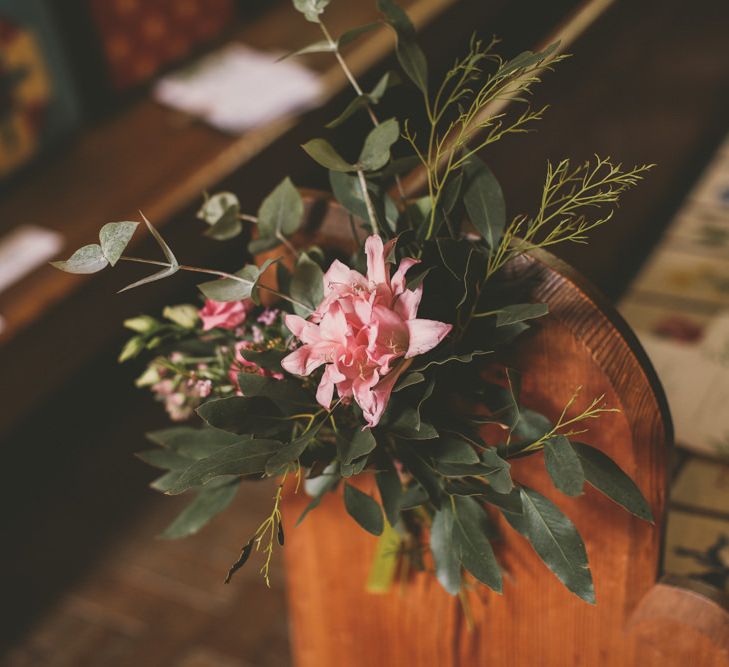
(582, 343)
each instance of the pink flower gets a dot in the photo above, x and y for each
(242, 365)
(224, 314)
(364, 331)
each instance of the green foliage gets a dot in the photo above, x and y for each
(606, 476)
(375, 153)
(563, 465)
(208, 502)
(241, 285)
(363, 509)
(307, 285)
(279, 216)
(311, 9)
(409, 54)
(556, 540)
(484, 201)
(222, 213)
(470, 528)
(445, 556)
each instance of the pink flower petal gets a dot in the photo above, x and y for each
(425, 335)
(376, 269)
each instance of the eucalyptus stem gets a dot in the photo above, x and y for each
(358, 89)
(212, 272)
(368, 201)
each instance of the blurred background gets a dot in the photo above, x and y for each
(108, 107)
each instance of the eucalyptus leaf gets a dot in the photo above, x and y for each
(289, 453)
(281, 212)
(608, 478)
(520, 312)
(564, 466)
(184, 315)
(322, 46)
(221, 212)
(114, 238)
(556, 540)
(283, 392)
(321, 151)
(445, 554)
(311, 9)
(207, 503)
(484, 201)
(359, 443)
(192, 443)
(470, 532)
(500, 476)
(241, 414)
(408, 380)
(349, 36)
(364, 509)
(246, 457)
(269, 360)
(88, 259)
(409, 54)
(376, 150)
(307, 285)
(165, 459)
(390, 488)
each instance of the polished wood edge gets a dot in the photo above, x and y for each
(686, 602)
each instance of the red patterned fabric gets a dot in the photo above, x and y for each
(140, 37)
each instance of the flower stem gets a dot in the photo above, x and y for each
(212, 272)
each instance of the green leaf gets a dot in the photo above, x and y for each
(245, 286)
(267, 359)
(422, 473)
(360, 443)
(307, 285)
(408, 380)
(376, 150)
(166, 481)
(520, 312)
(390, 488)
(349, 36)
(88, 259)
(141, 324)
(290, 452)
(221, 212)
(281, 212)
(321, 151)
(414, 496)
(246, 457)
(241, 414)
(285, 393)
(484, 202)
(451, 449)
(500, 475)
(348, 192)
(207, 503)
(330, 480)
(192, 443)
(364, 509)
(563, 465)
(409, 54)
(132, 348)
(184, 315)
(528, 59)
(608, 478)
(322, 46)
(114, 237)
(509, 503)
(455, 358)
(470, 538)
(359, 102)
(384, 563)
(173, 267)
(164, 459)
(311, 9)
(556, 540)
(446, 555)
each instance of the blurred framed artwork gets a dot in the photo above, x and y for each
(38, 103)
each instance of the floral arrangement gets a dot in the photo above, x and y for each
(372, 365)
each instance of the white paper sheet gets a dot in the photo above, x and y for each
(236, 88)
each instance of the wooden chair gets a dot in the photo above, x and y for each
(583, 342)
